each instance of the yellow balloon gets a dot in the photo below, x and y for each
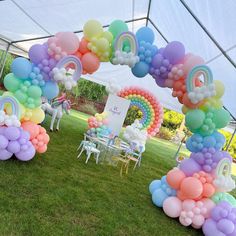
(38, 115)
(108, 35)
(92, 28)
(102, 45)
(220, 88)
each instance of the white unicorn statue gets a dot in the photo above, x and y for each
(56, 110)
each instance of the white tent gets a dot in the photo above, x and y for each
(205, 27)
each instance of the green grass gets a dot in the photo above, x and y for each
(56, 194)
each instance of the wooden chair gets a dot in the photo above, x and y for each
(136, 156)
(124, 163)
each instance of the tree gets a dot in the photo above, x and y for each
(7, 67)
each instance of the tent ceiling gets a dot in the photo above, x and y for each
(23, 19)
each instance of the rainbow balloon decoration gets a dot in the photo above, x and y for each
(147, 103)
(15, 106)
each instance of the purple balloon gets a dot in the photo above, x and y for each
(174, 52)
(3, 142)
(37, 53)
(190, 166)
(160, 82)
(26, 155)
(13, 147)
(220, 222)
(5, 155)
(12, 133)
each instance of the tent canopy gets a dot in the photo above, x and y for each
(205, 27)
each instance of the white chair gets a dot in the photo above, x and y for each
(90, 149)
(134, 156)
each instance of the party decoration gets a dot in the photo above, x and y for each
(161, 191)
(148, 105)
(125, 58)
(196, 142)
(222, 221)
(97, 125)
(198, 179)
(113, 87)
(197, 94)
(135, 134)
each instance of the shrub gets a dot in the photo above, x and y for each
(7, 67)
(88, 109)
(132, 114)
(165, 133)
(172, 119)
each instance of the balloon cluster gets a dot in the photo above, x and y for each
(14, 138)
(201, 181)
(147, 103)
(97, 125)
(135, 134)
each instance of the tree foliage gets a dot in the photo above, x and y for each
(7, 67)
(90, 90)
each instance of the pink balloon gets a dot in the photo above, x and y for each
(83, 46)
(67, 41)
(172, 206)
(198, 220)
(209, 205)
(190, 62)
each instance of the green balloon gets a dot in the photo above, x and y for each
(37, 102)
(22, 97)
(221, 196)
(194, 119)
(34, 91)
(117, 27)
(221, 118)
(11, 82)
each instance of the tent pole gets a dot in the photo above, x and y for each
(148, 12)
(4, 59)
(207, 32)
(230, 141)
(162, 35)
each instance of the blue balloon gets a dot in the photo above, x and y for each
(145, 34)
(21, 67)
(50, 90)
(154, 185)
(158, 197)
(140, 69)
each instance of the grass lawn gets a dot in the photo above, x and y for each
(56, 194)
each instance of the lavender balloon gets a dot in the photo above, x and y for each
(174, 52)
(222, 221)
(37, 53)
(190, 166)
(14, 140)
(208, 158)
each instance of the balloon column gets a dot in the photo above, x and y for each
(97, 125)
(147, 103)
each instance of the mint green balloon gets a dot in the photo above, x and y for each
(11, 82)
(117, 27)
(34, 91)
(222, 196)
(21, 96)
(221, 118)
(194, 119)
(37, 102)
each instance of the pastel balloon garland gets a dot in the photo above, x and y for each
(147, 103)
(188, 191)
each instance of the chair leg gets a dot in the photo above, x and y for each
(88, 156)
(79, 147)
(135, 165)
(127, 167)
(97, 157)
(80, 153)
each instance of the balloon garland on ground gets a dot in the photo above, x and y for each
(147, 103)
(195, 191)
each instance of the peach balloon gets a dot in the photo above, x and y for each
(83, 46)
(191, 188)
(90, 63)
(191, 61)
(208, 190)
(31, 127)
(175, 177)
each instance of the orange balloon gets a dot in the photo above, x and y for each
(191, 188)
(175, 177)
(90, 63)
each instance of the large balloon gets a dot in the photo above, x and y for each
(21, 67)
(50, 90)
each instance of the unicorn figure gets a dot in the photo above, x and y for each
(57, 109)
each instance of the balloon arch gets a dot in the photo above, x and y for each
(195, 191)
